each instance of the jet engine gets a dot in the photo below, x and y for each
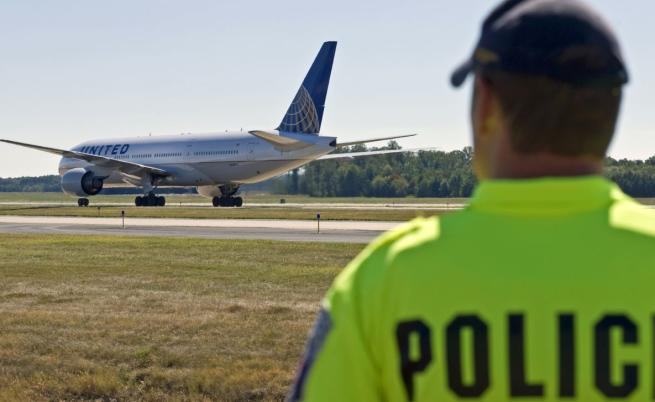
(81, 182)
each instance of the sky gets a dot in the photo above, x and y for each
(75, 70)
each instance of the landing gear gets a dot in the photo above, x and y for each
(227, 201)
(150, 200)
(227, 198)
(82, 202)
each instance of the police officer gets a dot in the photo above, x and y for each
(543, 287)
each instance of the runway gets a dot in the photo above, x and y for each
(260, 229)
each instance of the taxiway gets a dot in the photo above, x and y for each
(260, 229)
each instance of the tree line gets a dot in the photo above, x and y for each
(421, 174)
(427, 174)
(40, 184)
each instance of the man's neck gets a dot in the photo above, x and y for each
(524, 166)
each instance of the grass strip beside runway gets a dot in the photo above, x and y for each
(89, 317)
(218, 213)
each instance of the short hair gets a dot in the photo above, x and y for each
(544, 115)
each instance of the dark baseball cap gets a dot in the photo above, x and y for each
(564, 40)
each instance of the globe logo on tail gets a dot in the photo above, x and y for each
(302, 116)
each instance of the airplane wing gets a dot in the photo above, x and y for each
(347, 144)
(351, 155)
(128, 168)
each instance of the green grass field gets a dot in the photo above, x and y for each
(101, 207)
(112, 318)
(219, 213)
(253, 197)
(203, 211)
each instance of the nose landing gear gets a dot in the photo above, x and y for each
(82, 202)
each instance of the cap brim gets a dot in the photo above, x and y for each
(458, 76)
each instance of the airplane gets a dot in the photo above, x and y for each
(217, 164)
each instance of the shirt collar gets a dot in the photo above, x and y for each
(545, 196)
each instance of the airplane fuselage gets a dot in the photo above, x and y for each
(201, 159)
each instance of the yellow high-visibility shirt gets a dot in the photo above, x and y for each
(540, 290)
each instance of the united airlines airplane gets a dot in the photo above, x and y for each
(215, 163)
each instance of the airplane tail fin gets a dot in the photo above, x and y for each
(305, 113)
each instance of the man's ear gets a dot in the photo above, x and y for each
(485, 110)
(486, 127)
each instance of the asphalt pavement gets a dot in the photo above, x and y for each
(260, 229)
